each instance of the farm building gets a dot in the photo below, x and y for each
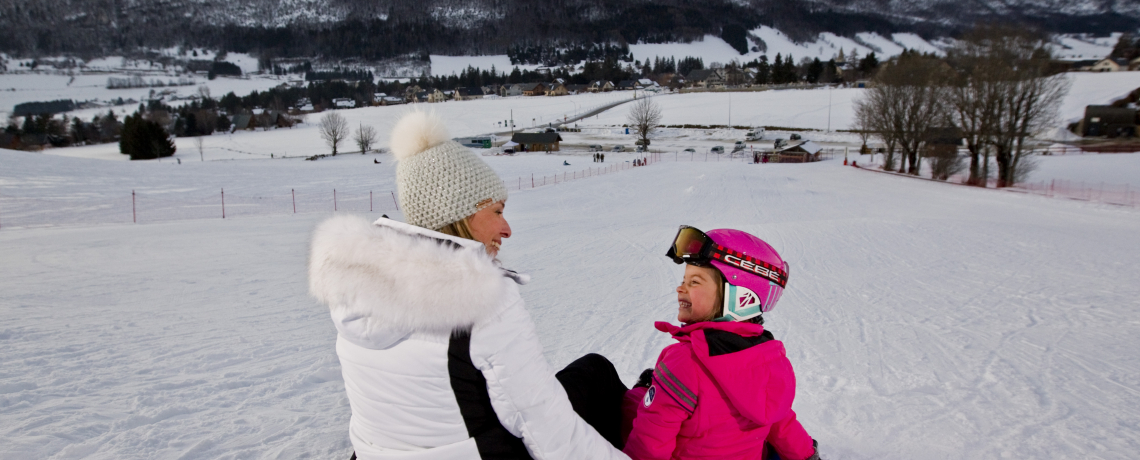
(1105, 120)
(537, 142)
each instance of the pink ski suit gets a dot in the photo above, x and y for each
(723, 391)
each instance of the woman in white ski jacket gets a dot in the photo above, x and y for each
(439, 356)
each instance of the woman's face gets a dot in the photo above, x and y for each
(696, 296)
(489, 227)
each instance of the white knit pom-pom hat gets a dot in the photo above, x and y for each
(439, 181)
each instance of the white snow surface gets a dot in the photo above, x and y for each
(1089, 88)
(1090, 170)
(808, 108)
(1080, 47)
(447, 65)
(825, 46)
(464, 118)
(713, 49)
(924, 320)
(18, 88)
(797, 108)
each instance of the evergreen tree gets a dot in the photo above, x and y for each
(814, 71)
(763, 71)
(143, 139)
(868, 64)
(790, 73)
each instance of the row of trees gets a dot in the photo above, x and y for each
(564, 54)
(994, 89)
(334, 131)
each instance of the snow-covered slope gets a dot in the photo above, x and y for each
(924, 320)
(825, 46)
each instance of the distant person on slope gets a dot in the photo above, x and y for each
(440, 358)
(725, 390)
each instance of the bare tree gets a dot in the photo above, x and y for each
(871, 116)
(1032, 99)
(914, 104)
(644, 117)
(733, 74)
(364, 138)
(1003, 92)
(334, 130)
(941, 152)
(198, 145)
(902, 105)
(864, 129)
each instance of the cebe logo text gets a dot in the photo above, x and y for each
(746, 265)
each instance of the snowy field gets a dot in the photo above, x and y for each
(466, 118)
(20, 88)
(803, 109)
(808, 108)
(1091, 169)
(924, 320)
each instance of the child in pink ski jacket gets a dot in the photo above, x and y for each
(725, 389)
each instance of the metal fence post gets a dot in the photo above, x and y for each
(223, 203)
(294, 193)
(334, 200)
(369, 201)
(395, 202)
(134, 215)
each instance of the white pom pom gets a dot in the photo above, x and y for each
(415, 132)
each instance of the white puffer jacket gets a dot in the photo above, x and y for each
(402, 299)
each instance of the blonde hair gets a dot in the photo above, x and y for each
(719, 310)
(460, 228)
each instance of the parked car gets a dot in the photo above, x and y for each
(795, 137)
(738, 146)
(596, 148)
(508, 151)
(779, 143)
(641, 142)
(619, 148)
(718, 149)
(689, 151)
(641, 148)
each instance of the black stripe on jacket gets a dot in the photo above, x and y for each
(470, 388)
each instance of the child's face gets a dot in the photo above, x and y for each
(696, 296)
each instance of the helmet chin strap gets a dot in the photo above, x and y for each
(740, 304)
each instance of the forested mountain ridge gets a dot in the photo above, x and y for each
(376, 29)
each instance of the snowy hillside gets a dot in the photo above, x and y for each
(924, 320)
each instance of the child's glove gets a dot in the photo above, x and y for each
(645, 380)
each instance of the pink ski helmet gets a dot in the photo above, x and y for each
(754, 273)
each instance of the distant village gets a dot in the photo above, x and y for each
(35, 125)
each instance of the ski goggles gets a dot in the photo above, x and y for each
(692, 246)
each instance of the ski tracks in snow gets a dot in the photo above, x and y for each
(923, 320)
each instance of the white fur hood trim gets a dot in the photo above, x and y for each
(401, 278)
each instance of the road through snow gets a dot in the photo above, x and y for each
(924, 320)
